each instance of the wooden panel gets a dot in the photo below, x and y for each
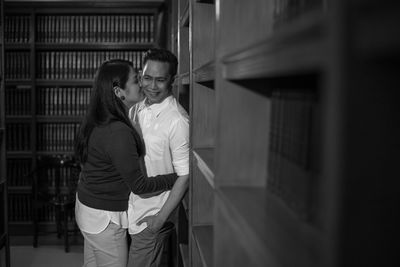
(203, 116)
(235, 30)
(203, 34)
(93, 46)
(268, 229)
(243, 130)
(294, 51)
(232, 250)
(194, 256)
(204, 238)
(183, 50)
(184, 250)
(202, 199)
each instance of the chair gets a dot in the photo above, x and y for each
(53, 194)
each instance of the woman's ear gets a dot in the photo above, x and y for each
(117, 91)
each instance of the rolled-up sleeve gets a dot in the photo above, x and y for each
(179, 145)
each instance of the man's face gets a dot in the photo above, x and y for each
(156, 81)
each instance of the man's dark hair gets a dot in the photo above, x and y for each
(162, 55)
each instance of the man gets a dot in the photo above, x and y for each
(165, 129)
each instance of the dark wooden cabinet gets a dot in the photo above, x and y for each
(4, 236)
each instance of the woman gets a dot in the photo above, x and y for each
(108, 148)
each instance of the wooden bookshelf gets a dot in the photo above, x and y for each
(203, 235)
(289, 104)
(52, 50)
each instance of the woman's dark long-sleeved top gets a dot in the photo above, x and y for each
(112, 169)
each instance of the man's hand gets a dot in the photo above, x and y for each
(154, 222)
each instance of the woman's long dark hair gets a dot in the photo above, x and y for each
(104, 106)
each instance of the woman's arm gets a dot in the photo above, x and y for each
(123, 154)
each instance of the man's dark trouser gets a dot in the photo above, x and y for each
(147, 247)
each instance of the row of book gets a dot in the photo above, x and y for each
(17, 65)
(70, 101)
(56, 136)
(20, 210)
(50, 136)
(17, 28)
(19, 207)
(291, 124)
(79, 64)
(18, 100)
(68, 179)
(18, 136)
(287, 10)
(138, 28)
(18, 172)
(293, 148)
(64, 64)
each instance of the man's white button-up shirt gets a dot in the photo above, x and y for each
(165, 130)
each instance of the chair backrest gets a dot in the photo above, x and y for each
(56, 176)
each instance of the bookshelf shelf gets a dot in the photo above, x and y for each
(55, 152)
(60, 118)
(19, 117)
(203, 236)
(277, 56)
(17, 46)
(260, 233)
(205, 162)
(205, 73)
(184, 250)
(18, 155)
(264, 60)
(18, 82)
(90, 46)
(20, 189)
(42, 82)
(22, 154)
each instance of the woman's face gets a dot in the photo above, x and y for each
(132, 91)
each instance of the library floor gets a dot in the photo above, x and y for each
(46, 256)
(49, 253)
